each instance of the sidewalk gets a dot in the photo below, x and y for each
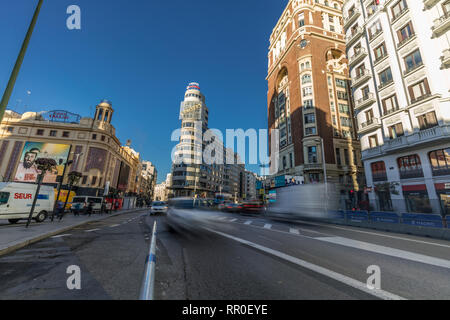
(14, 237)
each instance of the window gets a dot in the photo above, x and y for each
(374, 29)
(413, 60)
(65, 134)
(308, 103)
(306, 78)
(396, 131)
(338, 157)
(380, 52)
(312, 154)
(291, 160)
(84, 180)
(94, 136)
(301, 20)
(10, 129)
(343, 108)
(314, 177)
(307, 91)
(373, 141)
(345, 121)
(310, 118)
(310, 131)
(410, 167)
(360, 71)
(419, 90)
(369, 116)
(427, 120)
(94, 180)
(4, 197)
(390, 104)
(385, 76)
(342, 95)
(103, 138)
(284, 162)
(346, 157)
(40, 132)
(440, 162)
(398, 8)
(378, 171)
(341, 83)
(405, 33)
(52, 133)
(355, 158)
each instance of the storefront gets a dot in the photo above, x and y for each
(443, 193)
(416, 198)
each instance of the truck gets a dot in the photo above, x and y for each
(16, 200)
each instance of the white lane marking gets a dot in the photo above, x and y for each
(267, 226)
(62, 235)
(382, 294)
(248, 222)
(233, 220)
(375, 234)
(416, 257)
(294, 231)
(114, 225)
(222, 218)
(92, 230)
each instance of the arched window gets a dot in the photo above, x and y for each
(306, 78)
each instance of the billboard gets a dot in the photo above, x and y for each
(27, 171)
(124, 173)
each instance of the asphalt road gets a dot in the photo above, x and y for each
(213, 255)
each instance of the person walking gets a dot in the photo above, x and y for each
(59, 209)
(108, 207)
(116, 205)
(90, 208)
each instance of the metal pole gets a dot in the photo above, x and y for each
(148, 285)
(60, 185)
(15, 72)
(40, 178)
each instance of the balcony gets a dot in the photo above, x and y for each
(369, 125)
(412, 173)
(385, 84)
(351, 38)
(361, 78)
(445, 58)
(405, 41)
(421, 98)
(441, 25)
(351, 17)
(411, 70)
(365, 101)
(379, 177)
(392, 110)
(375, 35)
(429, 3)
(422, 137)
(358, 57)
(312, 166)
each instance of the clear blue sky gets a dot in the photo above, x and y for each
(141, 55)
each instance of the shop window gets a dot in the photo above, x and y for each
(417, 201)
(440, 162)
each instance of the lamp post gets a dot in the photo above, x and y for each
(16, 69)
(60, 184)
(43, 165)
(74, 177)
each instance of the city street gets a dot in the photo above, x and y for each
(228, 256)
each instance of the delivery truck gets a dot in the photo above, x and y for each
(16, 200)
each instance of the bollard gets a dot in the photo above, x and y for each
(149, 277)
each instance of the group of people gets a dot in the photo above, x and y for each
(86, 208)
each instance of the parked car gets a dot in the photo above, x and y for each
(16, 200)
(80, 201)
(158, 207)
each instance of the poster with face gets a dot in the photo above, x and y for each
(27, 170)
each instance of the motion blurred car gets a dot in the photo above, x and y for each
(223, 205)
(158, 207)
(254, 206)
(233, 207)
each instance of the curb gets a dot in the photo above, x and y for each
(26, 242)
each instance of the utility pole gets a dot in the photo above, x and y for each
(12, 80)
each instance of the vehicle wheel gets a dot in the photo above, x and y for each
(13, 221)
(41, 216)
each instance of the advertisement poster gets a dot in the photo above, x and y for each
(27, 170)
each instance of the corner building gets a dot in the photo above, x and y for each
(309, 97)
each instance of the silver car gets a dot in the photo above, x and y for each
(158, 207)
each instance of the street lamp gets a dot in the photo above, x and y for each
(74, 177)
(16, 69)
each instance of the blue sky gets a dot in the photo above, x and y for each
(141, 55)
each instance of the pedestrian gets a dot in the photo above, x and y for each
(116, 205)
(108, 207)
(59, 209)
(103, 209)
(90, 208)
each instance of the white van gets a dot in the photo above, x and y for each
(79, 202)
(16, 200)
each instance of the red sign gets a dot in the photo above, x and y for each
(23, 196)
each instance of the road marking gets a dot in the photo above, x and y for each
(222, 218)
(382, 294)
(294, 231)
(114, 225)
(402, 254)
(92, 230)
(267, 226)
(375, 234)
(233, 220)
(62, 235)
(248, 222)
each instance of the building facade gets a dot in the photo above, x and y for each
(192, 175)
(309, 96)
(88, 145)
(399, 60)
